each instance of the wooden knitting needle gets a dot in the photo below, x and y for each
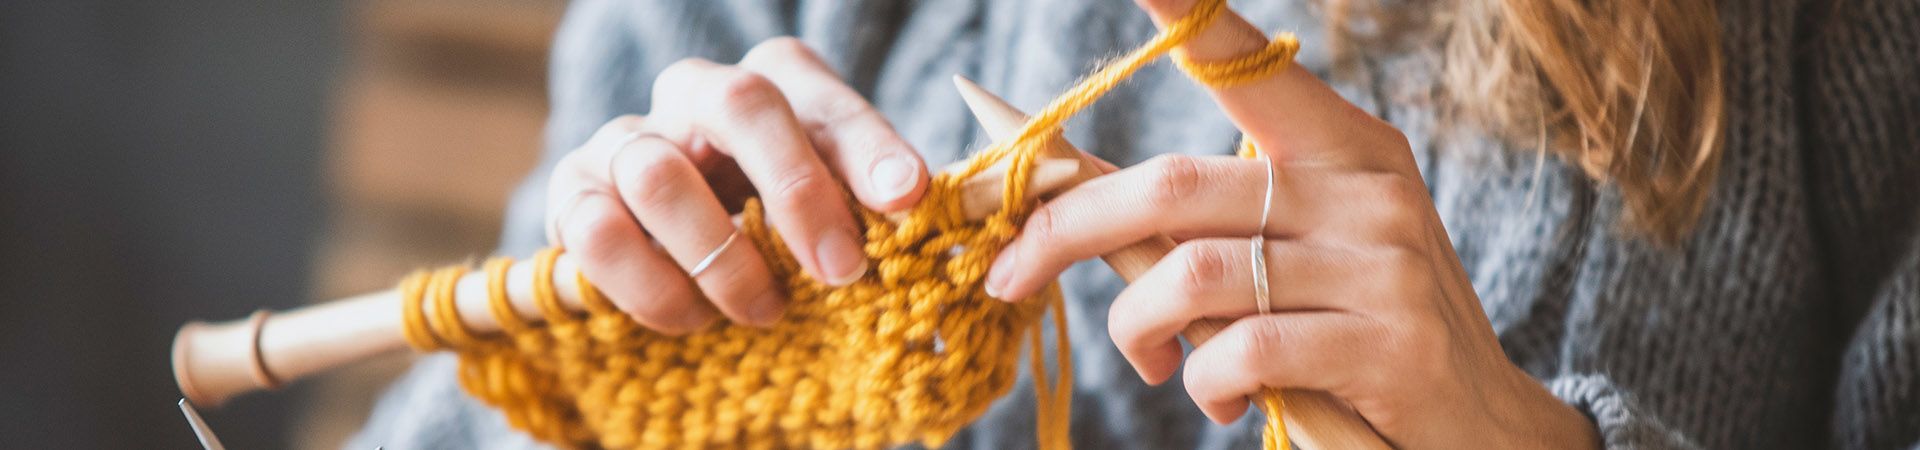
(1314, 419)
(214, 362)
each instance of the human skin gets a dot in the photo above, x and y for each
(1369, 301)
(648, 197)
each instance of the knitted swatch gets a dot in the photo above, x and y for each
(911, 352)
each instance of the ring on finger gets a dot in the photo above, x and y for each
(1260, 294)
(1258, 245)
(707, 262)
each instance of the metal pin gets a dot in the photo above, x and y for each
(200, 429)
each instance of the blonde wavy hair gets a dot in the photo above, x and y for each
(1629, 91)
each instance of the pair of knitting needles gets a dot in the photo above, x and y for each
(213, 362)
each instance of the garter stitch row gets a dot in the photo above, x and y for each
(911, 352)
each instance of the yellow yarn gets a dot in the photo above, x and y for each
(912, 352)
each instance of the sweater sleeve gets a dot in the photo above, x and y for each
(1862, 98)
(1877, 397)
(1621, 423)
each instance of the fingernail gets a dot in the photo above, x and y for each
(840, 257)
(767, 309)
(1002, 272)
(893, 176)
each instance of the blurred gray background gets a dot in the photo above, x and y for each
(167, 161)
(158, 161)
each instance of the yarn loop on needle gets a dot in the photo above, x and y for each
(912, 352)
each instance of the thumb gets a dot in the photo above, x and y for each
(1291, 114)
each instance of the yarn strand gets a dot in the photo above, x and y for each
(911, 352)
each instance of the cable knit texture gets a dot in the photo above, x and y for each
(1791, 319)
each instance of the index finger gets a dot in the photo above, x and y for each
(742, 114)
(853, 138)
(1291, 114)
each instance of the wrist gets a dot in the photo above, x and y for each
(1534, 418)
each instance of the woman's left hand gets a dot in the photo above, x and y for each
(1369, 302)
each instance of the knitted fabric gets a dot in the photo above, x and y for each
(912, 352)
(1790, 320)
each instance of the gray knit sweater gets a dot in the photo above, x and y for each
(1791, 319)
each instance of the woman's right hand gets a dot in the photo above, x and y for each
(649, 197)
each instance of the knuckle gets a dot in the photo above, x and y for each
(776, 50)
(1125, 331)
(1398, 209)
(594, 232)
(1248, 341)
(1397, 141)
(1375, 134)
(744, 94)
(797, 186)
(1202, 266)
(1396, 190)
(1172, 179)
(1043, 225)
(844, 109)
(1118, 324)
(1409, 193)
(1206, 381)
(1197, 381)
(653, 175)
(1260, 340)
(682, 73)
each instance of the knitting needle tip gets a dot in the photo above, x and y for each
(200, 428)
(1000, 119)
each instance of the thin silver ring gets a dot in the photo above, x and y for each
(1258, 245)
(712, 256)
(1260, 295)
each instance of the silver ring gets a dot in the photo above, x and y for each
(1260, 295)
(1258, 245)
(712, 256)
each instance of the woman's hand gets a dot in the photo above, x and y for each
(1369, 301)
(648, 198)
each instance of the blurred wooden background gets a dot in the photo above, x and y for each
(437, 117)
